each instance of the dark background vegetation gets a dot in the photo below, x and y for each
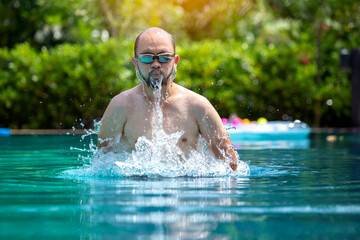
(62, 61)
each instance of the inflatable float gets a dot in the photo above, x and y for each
(5, 132)
(264, 130)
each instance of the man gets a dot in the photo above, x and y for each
(129, 113)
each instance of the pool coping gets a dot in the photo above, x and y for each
(82, 131)
(46, 131)
(335, 130)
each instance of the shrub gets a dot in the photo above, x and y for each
(54, 88)
(58, 87)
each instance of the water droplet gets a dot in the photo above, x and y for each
(329, 102)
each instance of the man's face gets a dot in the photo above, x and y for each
(155, 73)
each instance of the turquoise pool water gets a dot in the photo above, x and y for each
(307, 190)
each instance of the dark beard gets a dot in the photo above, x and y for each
(153, 85)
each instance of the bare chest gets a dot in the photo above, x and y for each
(173, 118)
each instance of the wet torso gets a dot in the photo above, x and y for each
(177, 117)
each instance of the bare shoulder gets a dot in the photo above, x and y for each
(116, 114)
(200, 107)
(124, 100)
(194, 100)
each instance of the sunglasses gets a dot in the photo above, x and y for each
(149, 58)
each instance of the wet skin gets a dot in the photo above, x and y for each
(130, 112)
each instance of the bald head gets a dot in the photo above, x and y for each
(153, 30)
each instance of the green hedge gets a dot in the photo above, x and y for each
(273, 81)
(69, 84)
(53, 89)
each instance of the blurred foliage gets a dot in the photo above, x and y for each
(183, 18)
(44, 23)
(63, 60)
(257, 80)
(53, 89)
(331, 25)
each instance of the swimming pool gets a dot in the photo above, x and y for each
(311, 192)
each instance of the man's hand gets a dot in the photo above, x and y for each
(214, 133)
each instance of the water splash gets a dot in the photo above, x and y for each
(156, 157)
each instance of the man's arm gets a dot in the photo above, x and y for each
(214, 133)
(112, 122)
